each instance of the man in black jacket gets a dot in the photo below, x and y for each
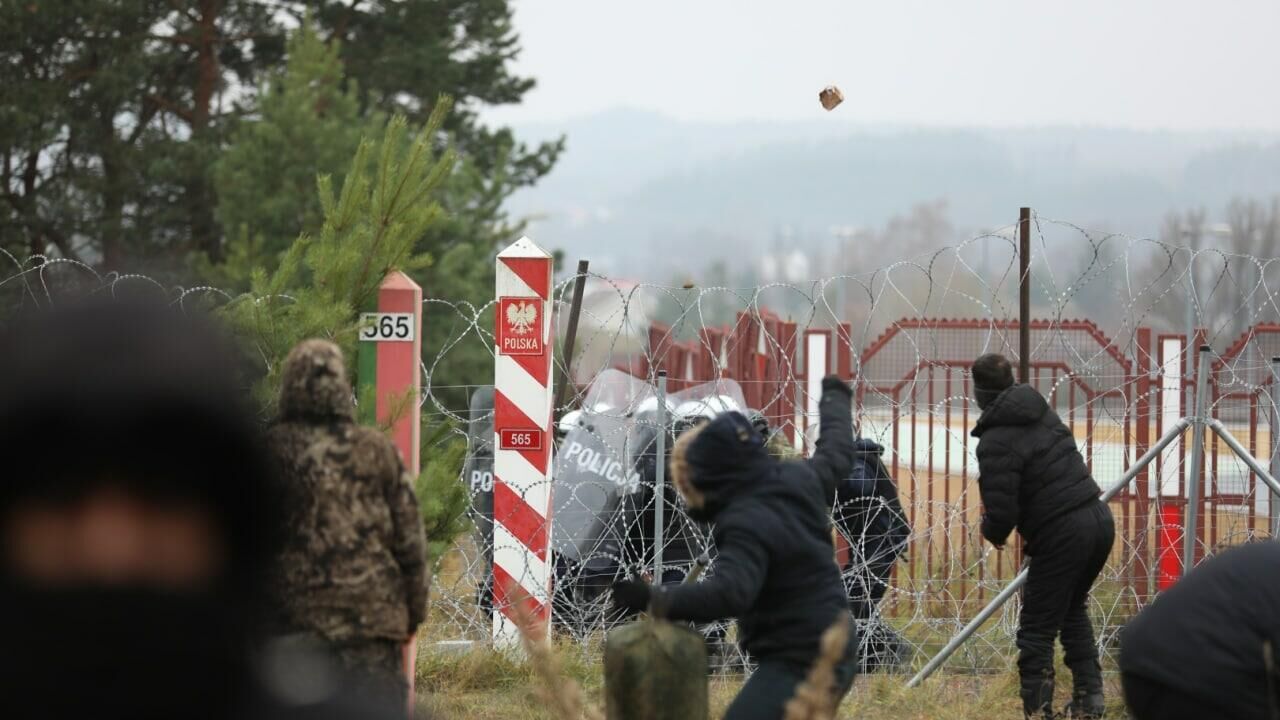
(1207, 647)
(774, 571)
(1033, 478)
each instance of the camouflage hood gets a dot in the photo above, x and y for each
(314, 385)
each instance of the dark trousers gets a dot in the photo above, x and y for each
(773, 683)
(1150, 700)
(375, 669)
(1068, 554)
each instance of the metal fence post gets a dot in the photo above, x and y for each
(1273, 503)
(660, 483)
(1194, 474)
(1024, 295)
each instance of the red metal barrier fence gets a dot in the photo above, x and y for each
(913, 395)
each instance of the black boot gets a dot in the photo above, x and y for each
(1037, 696)
(1086, 691)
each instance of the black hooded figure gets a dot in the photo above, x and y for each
(774, 571)
(1033, 478)
(139, 517)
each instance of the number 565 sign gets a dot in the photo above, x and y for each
(386, 327)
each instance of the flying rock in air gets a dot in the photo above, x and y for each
(831, 97)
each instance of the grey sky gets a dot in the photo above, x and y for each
(1178, 64)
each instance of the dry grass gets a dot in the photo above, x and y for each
(486, 684)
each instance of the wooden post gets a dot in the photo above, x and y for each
(1024, 295)
(571, 332)
(389, 356)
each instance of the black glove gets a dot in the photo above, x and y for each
(631, 597)
(833, 382)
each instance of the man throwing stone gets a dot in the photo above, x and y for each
(1033, 478)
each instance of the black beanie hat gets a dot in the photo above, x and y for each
(992, 375)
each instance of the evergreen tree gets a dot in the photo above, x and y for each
(372, 226)
(308, 124)
(115, 115)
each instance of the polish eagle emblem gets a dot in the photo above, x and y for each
(521, 317)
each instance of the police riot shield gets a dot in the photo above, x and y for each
(593, 469)
(478, 474)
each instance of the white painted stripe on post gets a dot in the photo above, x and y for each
(527, 394)
(524, 480)
(816, 359)
(511, 284)
(509, 553)
(1171, 350)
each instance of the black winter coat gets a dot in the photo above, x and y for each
(774, 570)
(1207, 636)
(1030, 469)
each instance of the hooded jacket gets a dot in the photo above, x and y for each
(354, 563)
(1030, 469)
(773, 571)
(870, 513)
(1209, 635)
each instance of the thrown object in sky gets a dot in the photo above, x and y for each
(831, 97)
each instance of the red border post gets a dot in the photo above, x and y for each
(1170, 487)
(389, 357)
(524, 348)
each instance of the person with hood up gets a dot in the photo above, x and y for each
(871, 516)
(1033, 478)
(353, 572)
(139, 518)
(773, 571)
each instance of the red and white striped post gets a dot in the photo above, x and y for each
(1169, 489)
(389, 355)
(522, 560)
(817, 365)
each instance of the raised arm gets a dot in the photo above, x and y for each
(832, 459)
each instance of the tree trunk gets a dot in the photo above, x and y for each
(200, 198)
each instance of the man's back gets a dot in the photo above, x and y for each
(1031, 469)
(353, 564)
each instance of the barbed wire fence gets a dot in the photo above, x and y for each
(1115, 323)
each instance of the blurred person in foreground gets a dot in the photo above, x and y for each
(1207, 648)
(138, 520)
(773, 572)
(1033, 478)
(353, 573)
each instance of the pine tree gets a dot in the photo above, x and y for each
(308, 124)
(372, 226)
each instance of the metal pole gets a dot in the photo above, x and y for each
(1273, 503)
(660, 485)
(1024, 295)
(1173, 433)
(1267, 478)
(571, 333)
(1194, 475)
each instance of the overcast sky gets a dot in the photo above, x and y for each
(1178, 64)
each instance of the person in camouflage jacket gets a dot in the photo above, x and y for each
(353, 571)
